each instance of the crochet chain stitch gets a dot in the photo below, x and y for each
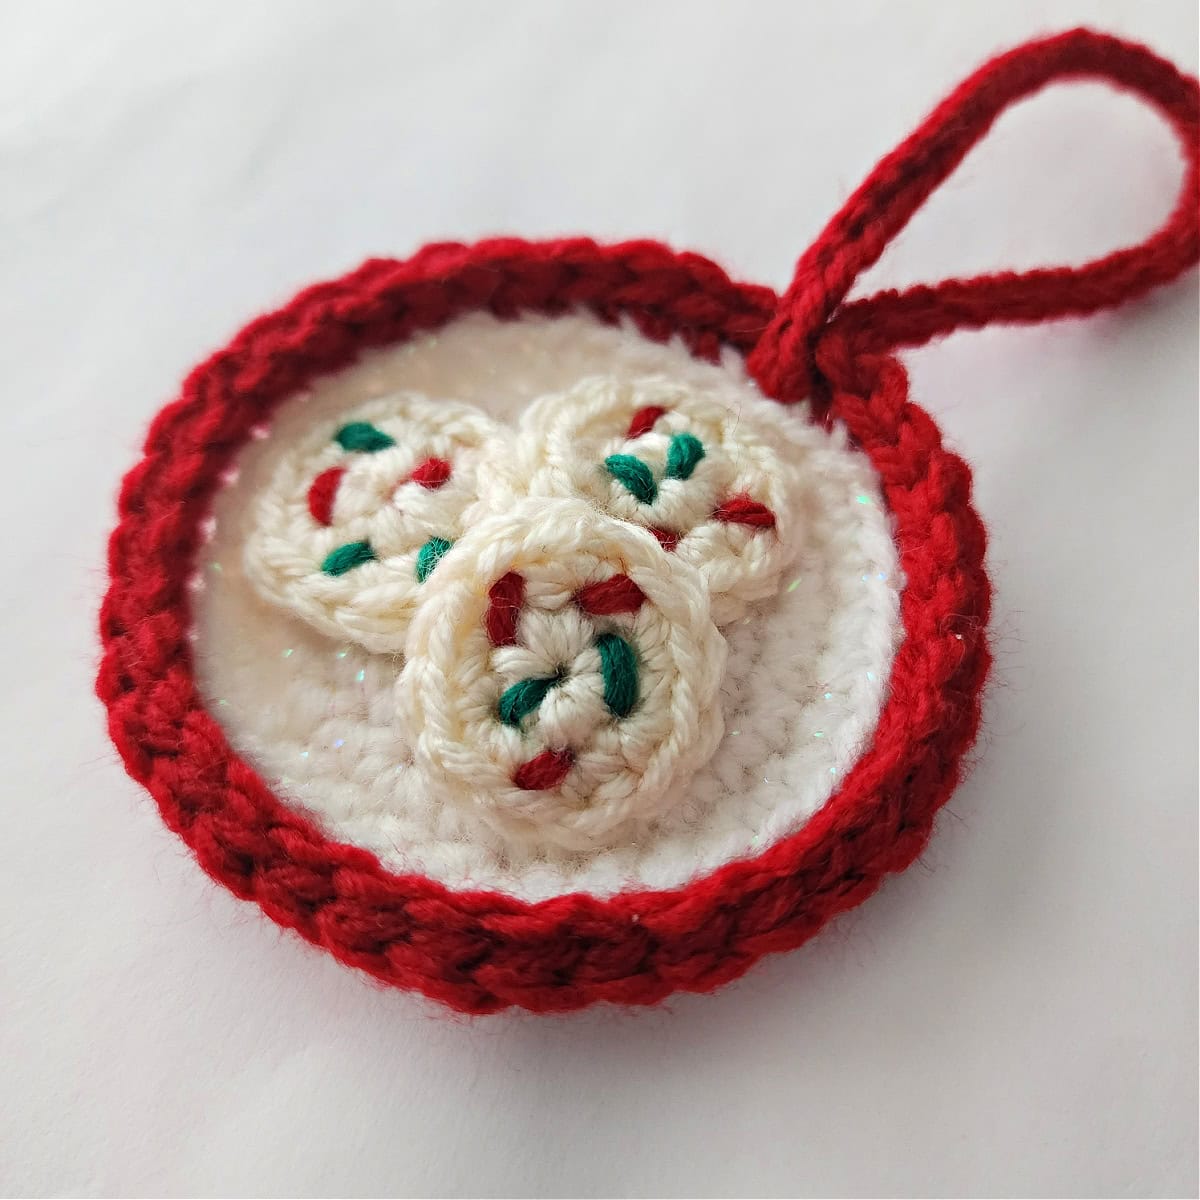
(483, 951)
(786, 358)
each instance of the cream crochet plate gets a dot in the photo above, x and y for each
(319, 714)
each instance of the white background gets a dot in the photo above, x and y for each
(1016, 1014)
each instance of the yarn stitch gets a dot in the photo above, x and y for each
(561, 674)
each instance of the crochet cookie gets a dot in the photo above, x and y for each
(357, 518)
(713, 473)
(561, 674)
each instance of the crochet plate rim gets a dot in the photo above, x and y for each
(482, 951)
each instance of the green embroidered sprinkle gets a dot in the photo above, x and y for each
(362, 436)
(634, 475)
(429, 556)
(683, 454)
(618, 666)
(346, 558)
(523, 698)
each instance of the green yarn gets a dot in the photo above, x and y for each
(523, 698)
(618, 665)
(618, 668)
(430, 555)
(354, 554)
(634, 475)
(362, 436)
(683, 454)
(346, 558)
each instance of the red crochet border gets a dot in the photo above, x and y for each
(481, 951)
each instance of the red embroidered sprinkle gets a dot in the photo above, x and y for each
(666, 538)
(433, 473)
(616, 595)
(643, 420)
(505, 598)
(741, 510)
(322, 493)
(546, 770)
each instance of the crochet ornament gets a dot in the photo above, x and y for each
(544, 623)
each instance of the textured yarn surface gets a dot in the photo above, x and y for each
(480, 951)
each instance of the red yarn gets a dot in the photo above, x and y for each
(322, 494)
(545, 770)
(433, 473)
(619, 594)
(482, 951)
(742, 510)
(643, 420)
(786, 360)
(666, 539)
(505, 598)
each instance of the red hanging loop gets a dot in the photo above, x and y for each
(811, 310)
